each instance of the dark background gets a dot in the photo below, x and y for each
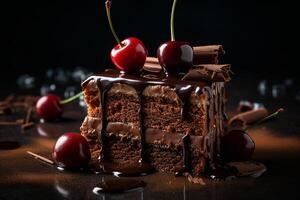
(61, 33)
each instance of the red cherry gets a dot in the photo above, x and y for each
(71, 151)
(130, 56)
(237, 145)
(175, 56)
(48, 107)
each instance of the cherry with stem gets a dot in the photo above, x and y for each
(172, 21)
(175, 56)
(237, 145)
(108, 8)
(50, 107)
(128, 55)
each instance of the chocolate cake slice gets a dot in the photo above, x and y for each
(173, 123)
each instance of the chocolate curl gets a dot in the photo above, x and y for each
(250, 117)
(207, 54)
(152, 65)
(209, 72)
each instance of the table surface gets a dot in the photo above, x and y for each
(277, 146)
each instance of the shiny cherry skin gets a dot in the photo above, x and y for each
(175, 56)
(237, 145)
(130, 56)
(49, 108)
(71, 151)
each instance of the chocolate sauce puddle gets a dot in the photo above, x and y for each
(131, 170)
(9, 145)
(118, 186)
(222, 173)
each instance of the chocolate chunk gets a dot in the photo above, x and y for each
(209, 72)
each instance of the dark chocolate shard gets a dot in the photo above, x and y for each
(209, 72)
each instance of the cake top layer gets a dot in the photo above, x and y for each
(139, 81)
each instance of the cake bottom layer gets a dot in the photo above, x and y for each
(165, 151)
(164, 158)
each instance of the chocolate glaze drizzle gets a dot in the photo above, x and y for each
(186, 152)
(184, 92)
(183, 88)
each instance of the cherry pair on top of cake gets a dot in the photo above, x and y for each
(130, 54)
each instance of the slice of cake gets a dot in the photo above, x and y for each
(173, 123)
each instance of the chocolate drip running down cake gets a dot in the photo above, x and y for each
(173, 123)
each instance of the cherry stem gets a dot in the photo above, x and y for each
(68, 100)
(108, 7)
(266, 118)
(172, 21)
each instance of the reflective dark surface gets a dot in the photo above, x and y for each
(277, 146)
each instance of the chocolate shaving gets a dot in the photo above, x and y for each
(14, 104)
(209, 72)
(27, 125)
(207, 54)
(28, 115)
(10, 123)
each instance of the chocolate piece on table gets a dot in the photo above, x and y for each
(21, 110)
(209, 72)
(251, 116)
(248, 168)
(207, 54)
